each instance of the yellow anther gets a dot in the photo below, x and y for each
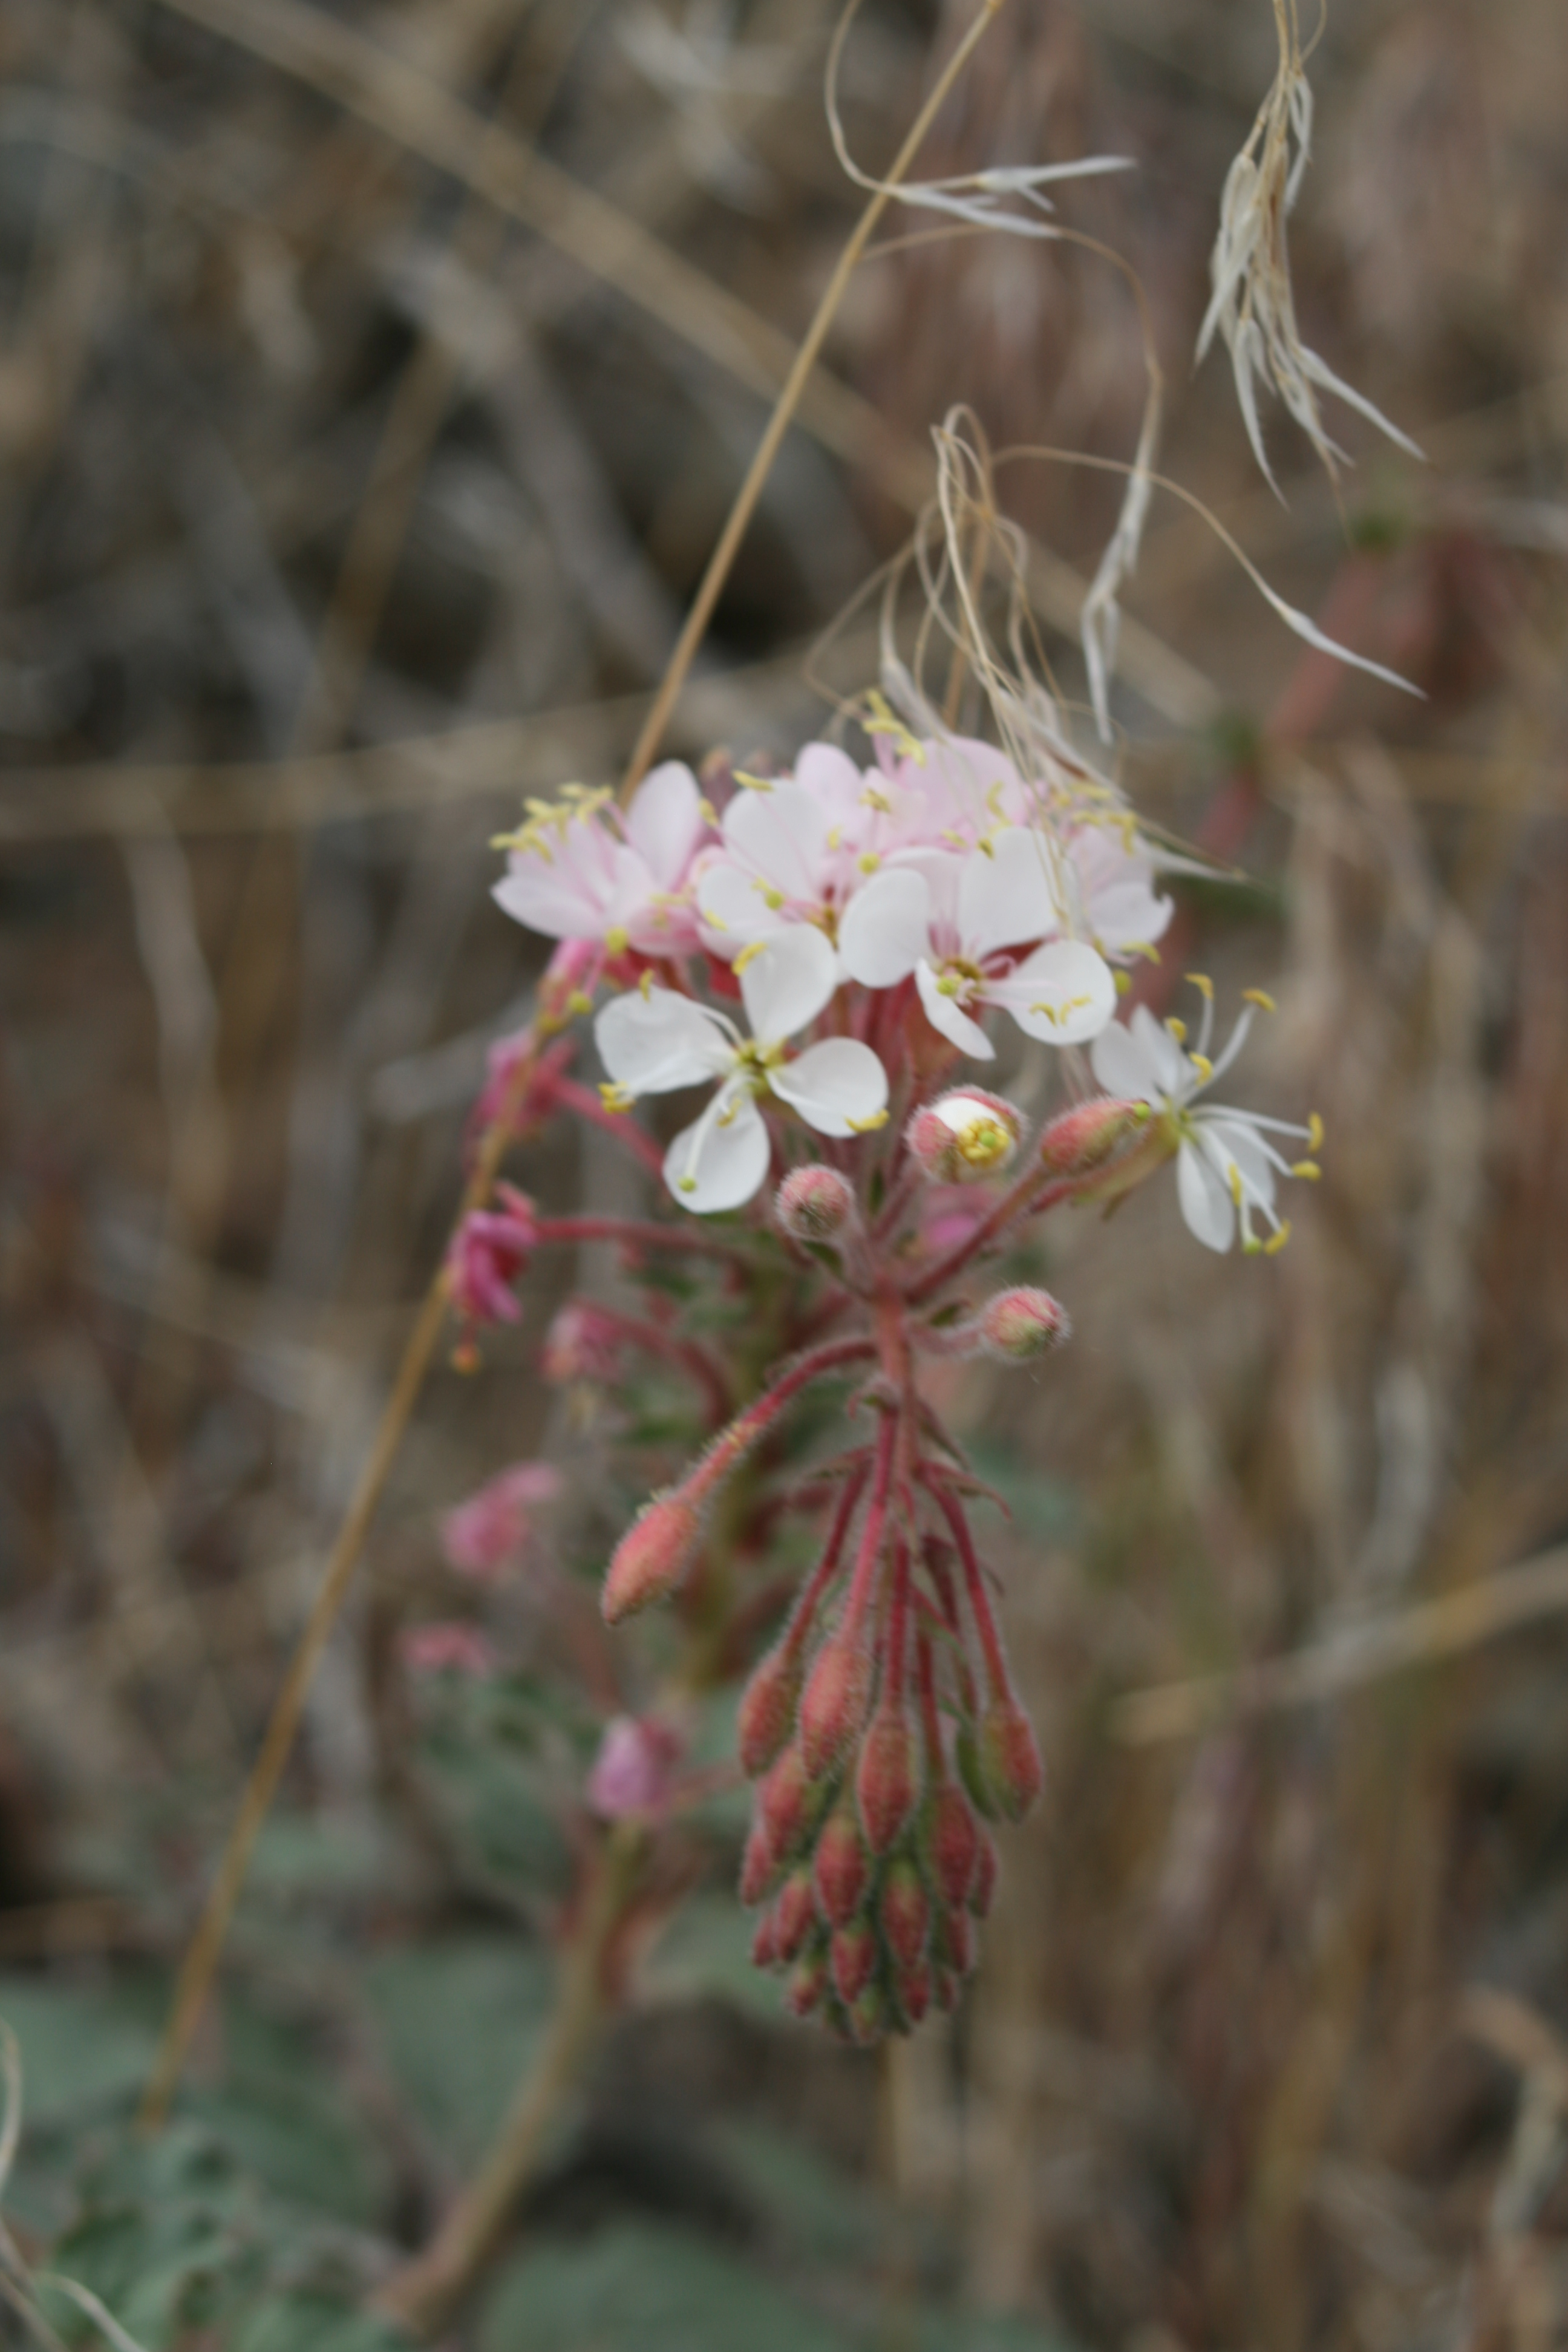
(1178, 1029)
(868, 863)
(1235, 1183)
(748, 954)
(615, 940)
(1275, 1241)
(1202, 1064)
(835, 838)
(615, 1096)
(983, 1142)
(753, 783)
(579, 1002)
(1123, 983)
(872, 798)
(1144, 947)
(1261, 998)
(869, 1126)
(646, 985)
(707, 812)
(1315, 1132)
(948, 985)
(686, 1184)
(1309, 1169)
(1202, 983)
(771, 899)
(881, 721)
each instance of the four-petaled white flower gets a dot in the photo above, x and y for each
(654, 1041)
(579, 871)
(1225, 1168)
(950, 920)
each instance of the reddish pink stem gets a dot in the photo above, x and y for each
(827, 1569)
(747, 1427)
(952, 1510)
(868, 1559)
(684, 1354)
(1021, 1200)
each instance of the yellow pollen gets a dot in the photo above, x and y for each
(615, 1096)
(1202, 1064)
(771, 899)
(615, 940)
(646, 985)
(748, 954)
(1202, 983)
(869, 1126)
(1178, 1029)
(872, 798)
(1235, 1183)
(578, 1002)
(1123, 983)
(1261, 998)
(1309, 1169)
(1144, 947)
(754, 783)
(983, 1142)
(868, 863)
(707, 812)
(1315, 1132)
(687, 1184)
(948, 985)
(835, 838)
(1275, 1241)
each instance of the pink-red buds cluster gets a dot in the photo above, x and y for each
(964, 1135)
(814, 1204)
(1017, 1326)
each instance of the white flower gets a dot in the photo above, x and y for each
(579, 872)
(653, 1041)
(1111, 875)
(1224, 1169)
(950, 922)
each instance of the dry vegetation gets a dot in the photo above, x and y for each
(373, 383)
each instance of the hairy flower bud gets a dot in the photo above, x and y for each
(789, 1803)
(911, 1989)
(765, 1941)
(903, 1910)
(951, 1843)
(794, 1913)
(1083, 1139)
(952, 1942)
(814, 1204)
(839, 1868)
(808, 1981)
(963, 1135)
(767, 1710)
(869, 2017)
(758, 1864)
(1017, 1326)
(854, 1959)
(834, 1703)
(887, 1776)
(983, 1890)
(1008, 1758)
(653, 1556)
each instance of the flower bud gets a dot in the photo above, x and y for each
(1009, 1759)
(834, 1703)
(1083, 1138)
(964, 1135)
(766, 1714)
(814, 1204)
(840, 1868)
(854, 1959)
(952, 1844)
(984, 1887)
(1017, 1326)
(952, 1942)
(903, 1910)
(788, 1804)
(869, 2017)
(794, 1913)
(634, 1770)
(758, 1864)
(653, 1556)
(911, 1989)
(765, 1941)
(887, 1776)
(808, 1981)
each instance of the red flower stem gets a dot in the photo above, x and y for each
(685, 1355)
(930, 1721)
(897, 1651)
(868, 1559)
(952, 1510)
(747, 1427)
(632, 1138)
(1013, 1203)
(826, 1567)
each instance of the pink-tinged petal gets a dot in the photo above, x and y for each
(780, 832)
(1131, 914)
(664, 823)
(543, 899)
(655, 1042)
(947, 1017)
(635, 1768)
(720, 1159)
(1124, 1066)
(1006, 894)
(787, 982)
(732, 908)
(839, 1086)
(1064, 993)
(832, 779)
(1205, 1200)
(885, 929)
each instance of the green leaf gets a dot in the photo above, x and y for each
(705, 1953)
(637, 2288)
(458, 2021)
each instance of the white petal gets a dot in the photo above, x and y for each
(1223, 1141)
(1128, 914)
(722, 1158)
(1174, 1073)
(1063, 994)
(949, 1019)
(534, 896)
(729, 902)
(1124, 1066)
(1004, 895)
(884, 931)
(787, 983)
(664, 823)
(1206, 1203)
(838, 1087)
(782, 833)
(832, 779)
(655, 1042)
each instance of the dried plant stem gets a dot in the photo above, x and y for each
(751, 489)
(202, 1957)
(423, 2294)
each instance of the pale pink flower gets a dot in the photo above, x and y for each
(490, 1250)
(481, 1535)
(580, 869)
(634, 1767)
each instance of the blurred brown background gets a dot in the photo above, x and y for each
(373, 381)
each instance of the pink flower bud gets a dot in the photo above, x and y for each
(911, 1989)
(814, 1204)
(491, 1248)
(1083, 1138)
(807, 1982)
(869, 2019)
(951, 1843)
(963, 1135)
(765, 1941)
(767, 1710)
(834, 1703)
(759, 1865)
(854, 1957)
(952, 1942)
(903, 1910)
(984, 1887)
(634, 1768)
(1016, 1325)
(840, 1869)
(788, 1805)
(887, 1776)
(1009, 1759)
(482, 1536)
(794, 1913)
(653, 1556)
(450, 1647)
(584, 1343)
